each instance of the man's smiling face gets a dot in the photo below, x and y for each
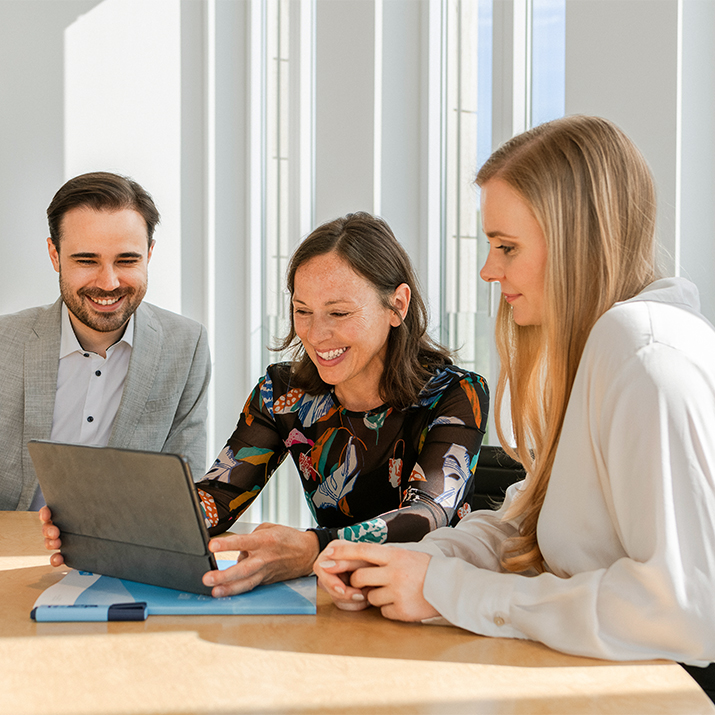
(102, 262)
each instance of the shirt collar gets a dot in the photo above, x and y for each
(70, 344)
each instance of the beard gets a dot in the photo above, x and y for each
(78, 304)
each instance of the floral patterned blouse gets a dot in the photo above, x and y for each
(382, 475)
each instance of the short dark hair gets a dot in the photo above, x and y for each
(366, 243)
(101, 191)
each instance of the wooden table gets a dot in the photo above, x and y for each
(334, 662)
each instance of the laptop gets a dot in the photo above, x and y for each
(125, 513)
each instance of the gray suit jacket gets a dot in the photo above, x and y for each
(163, 406)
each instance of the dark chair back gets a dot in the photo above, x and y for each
(496, 471)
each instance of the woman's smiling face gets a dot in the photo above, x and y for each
(517, 251)
(344, 326)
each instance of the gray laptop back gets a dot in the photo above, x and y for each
(125, 513)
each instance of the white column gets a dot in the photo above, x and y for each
(237, 288)
(403, 120)
(192, 155)
(377, 118)
(345, 108)
(697, 215)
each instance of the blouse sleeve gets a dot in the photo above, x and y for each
(437, 489)
(480, 544)
(653, 432)
(253, 452)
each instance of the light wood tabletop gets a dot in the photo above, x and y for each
(333, 662)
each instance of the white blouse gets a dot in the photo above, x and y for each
(627, 528)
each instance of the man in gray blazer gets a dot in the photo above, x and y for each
(99, 366)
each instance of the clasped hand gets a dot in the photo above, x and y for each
(357, 575)
(270, 553)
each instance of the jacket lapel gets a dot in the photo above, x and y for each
(41, 363)
(143, 367)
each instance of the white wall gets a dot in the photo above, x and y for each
(31, 142)
(618, 69)
(92, 86)
(649, 65)
(123, 114)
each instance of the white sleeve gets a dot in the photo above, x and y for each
(652, 431)
(476, 539)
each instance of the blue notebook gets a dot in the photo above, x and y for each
(84, 596)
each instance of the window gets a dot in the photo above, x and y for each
(548, 66)
(467, 46)
(467, 325)
(409, 108)
(284, 52)
(470, 37)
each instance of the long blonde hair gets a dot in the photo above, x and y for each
(593, 196)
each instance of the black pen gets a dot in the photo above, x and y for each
(87, 612)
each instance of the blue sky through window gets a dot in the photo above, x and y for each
(548, 68)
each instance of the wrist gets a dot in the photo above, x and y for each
(312, 549)
(324, 536)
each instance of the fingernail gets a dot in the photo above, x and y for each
(358, 597)
(326, 564)
(340, 590)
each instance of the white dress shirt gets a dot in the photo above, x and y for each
(89, 390)
(627, 529)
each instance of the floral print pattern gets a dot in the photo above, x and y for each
(382, 475)
(374, 531)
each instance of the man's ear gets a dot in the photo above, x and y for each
(151, 250)
(54, 255)
(400, 303)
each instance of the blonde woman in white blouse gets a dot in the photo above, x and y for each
(607, 549)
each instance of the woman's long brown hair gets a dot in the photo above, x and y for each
(366, 243)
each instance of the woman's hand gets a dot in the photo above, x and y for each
(52, 536)
(334, 577)
(384, 576)
(270, 553)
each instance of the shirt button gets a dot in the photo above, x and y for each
(90, 419)
(98, 373)
(86, 354)
(499, 620)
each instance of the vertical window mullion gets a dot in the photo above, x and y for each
(282, 499)
(467, 66)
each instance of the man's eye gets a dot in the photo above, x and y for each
(339, 315)
(506, 250)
